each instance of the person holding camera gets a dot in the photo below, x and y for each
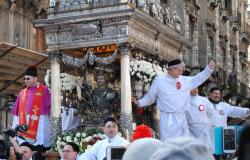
(98, 151)
(22, 152)
(32, 108)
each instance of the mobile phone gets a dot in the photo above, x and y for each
(115, 152)
(229, 139)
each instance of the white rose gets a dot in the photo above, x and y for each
(76, 139)
(78, 135)
(84, 135)
(68, 139)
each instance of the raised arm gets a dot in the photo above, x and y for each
(202, 76)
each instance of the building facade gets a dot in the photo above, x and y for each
(224, 36)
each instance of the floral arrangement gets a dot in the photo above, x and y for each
(68, 82)
(145, 71)
(84, 140)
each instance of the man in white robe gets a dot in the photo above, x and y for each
(98, 151)
(222, 110)
(197, 117)
(172, 93)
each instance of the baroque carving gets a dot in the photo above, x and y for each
(213, 3)
(86, 31)
(245, 37)
(126, 122)
(56, 127)
(235, 27)
(225, 16)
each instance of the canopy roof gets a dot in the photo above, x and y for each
(13, 62)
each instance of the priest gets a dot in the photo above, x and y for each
(171, 92)
(32, 108)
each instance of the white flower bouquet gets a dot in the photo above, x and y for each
(145, 71)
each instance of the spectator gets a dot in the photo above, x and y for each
(244, 147)
(183, 148)
(142, 131)
(70, 151)
(142, 149)
(24, 152)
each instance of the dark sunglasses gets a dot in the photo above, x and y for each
(27, 78)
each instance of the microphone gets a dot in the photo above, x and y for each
(21, 128)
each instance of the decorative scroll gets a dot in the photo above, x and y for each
(90, 57)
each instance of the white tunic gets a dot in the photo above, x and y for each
(221, 111)
(98, 151)
(173, 102)
(197, 118)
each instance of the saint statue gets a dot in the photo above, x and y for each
(101, 103)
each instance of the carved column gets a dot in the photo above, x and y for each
(55, 112)
(126, 108)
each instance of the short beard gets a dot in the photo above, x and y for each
(214, 102)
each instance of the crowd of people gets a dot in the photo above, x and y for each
(183, 114)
